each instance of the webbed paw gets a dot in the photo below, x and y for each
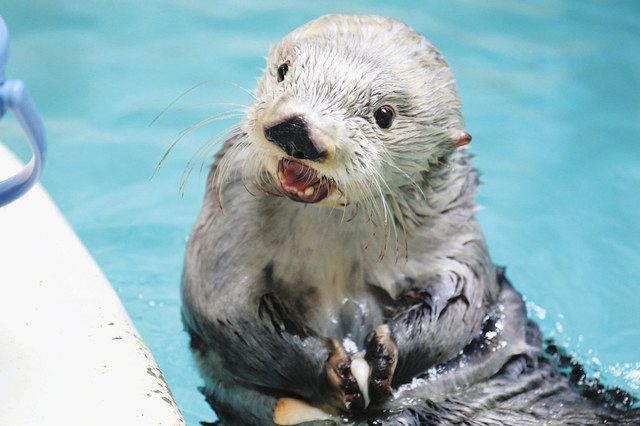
(338, 369)
(382, 356)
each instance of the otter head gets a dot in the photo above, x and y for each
(349, 109)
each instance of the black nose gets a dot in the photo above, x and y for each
(293, 138)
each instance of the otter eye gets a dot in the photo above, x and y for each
(282, 71)
(384, 116)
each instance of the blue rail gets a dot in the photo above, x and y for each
(14, 97)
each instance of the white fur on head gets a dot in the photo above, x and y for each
(341, 69)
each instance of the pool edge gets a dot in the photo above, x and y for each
(71, 354)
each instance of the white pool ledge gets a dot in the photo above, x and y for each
(69, 353)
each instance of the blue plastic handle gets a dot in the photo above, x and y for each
(15, 97)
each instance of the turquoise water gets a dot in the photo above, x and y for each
(551, 94)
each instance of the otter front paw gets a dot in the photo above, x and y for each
(338, 369)
(382, 356)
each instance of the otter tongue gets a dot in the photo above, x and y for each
(298, 175)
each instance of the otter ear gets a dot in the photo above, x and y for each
(460, 138)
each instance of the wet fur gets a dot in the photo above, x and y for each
(268, 283)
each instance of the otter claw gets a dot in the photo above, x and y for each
(382, 356)
(360, 370)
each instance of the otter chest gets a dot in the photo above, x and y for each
(323, 281)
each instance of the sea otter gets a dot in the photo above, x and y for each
(337, 272)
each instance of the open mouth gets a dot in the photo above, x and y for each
(302, 183)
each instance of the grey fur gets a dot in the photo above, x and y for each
(268, 283)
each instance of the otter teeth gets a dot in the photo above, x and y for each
(309, 191)
(361, 370)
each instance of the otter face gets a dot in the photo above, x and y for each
(349, 109)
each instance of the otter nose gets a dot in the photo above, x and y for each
(292, 137)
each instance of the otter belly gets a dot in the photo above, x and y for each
(350, 319)
(346, 315)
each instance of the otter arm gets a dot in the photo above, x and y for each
(260, 344)
(432, 320)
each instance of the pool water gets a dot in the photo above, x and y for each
(551, 96)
